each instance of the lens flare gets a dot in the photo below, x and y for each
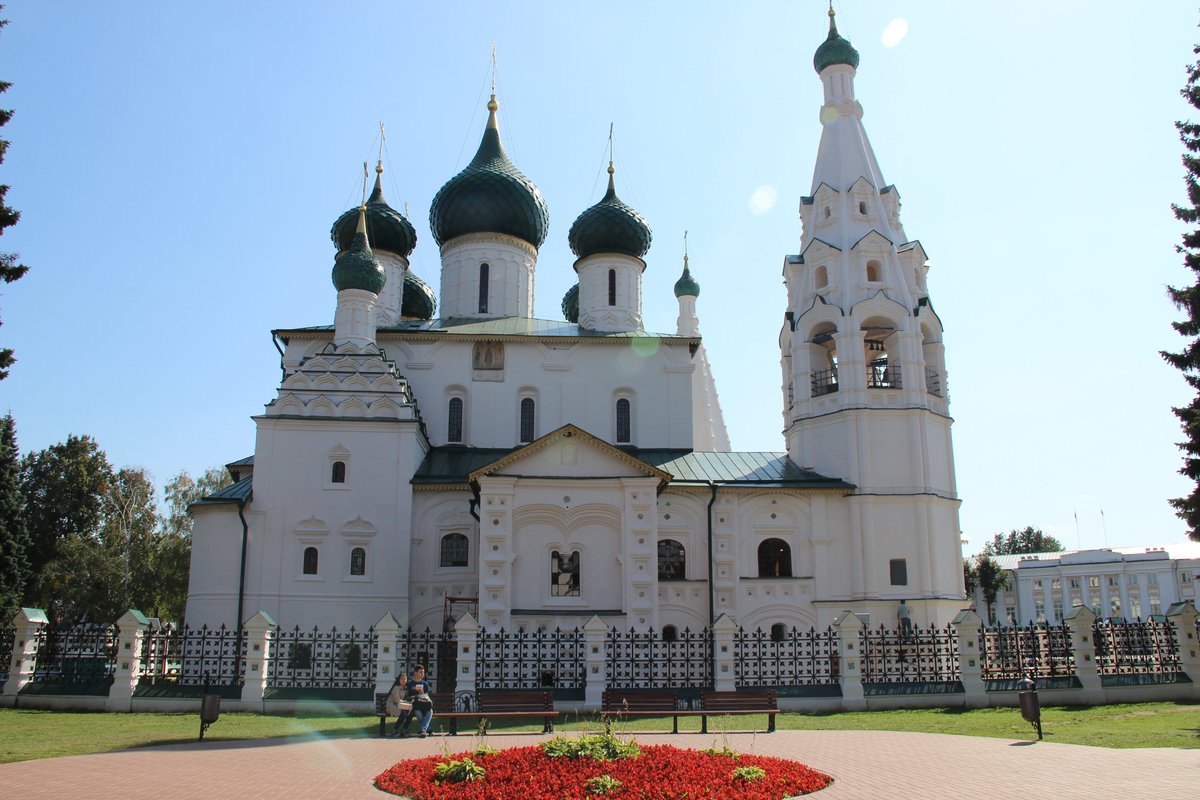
(763, 200)
(895, 32)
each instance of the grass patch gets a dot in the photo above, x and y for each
(27, 734)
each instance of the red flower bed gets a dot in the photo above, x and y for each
(662, 772)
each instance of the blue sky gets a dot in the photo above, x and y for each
(178, 167)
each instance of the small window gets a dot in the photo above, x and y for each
(1074, 583)
(339, 472)
(1093, 581)
(778, 632)
(484, 269)
(670, 633)
(671, 560)
(310, 561)
(612, 287)
(349, 658)
(623, 426)
(873, 271)
(564, 574)
(527, 409)
(358, 561)
(454, 426)
(828, 213)
(899, 570)
(862, 207)
(774, 559)
(822, 277)
(1152, 579)
(455, 550)
(1186, 577)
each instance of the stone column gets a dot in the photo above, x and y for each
(595, 661)
(723, 631)
(968, 629)
(26, 624)
(260, 631)
(850, 666)
(1080, 620)
(1183, 617)
(467, 633)
(131, 635)
(386, 632)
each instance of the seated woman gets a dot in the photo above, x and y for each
(397, 706)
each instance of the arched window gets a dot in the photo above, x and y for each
(822, 277)
(774, 559)
(873, 271)
(454, 423)
(527, 409)
(612, 287)
(623, 427)
(671, 561)
(778, 632)
(339, 472)
(455, 550)
(862, 207)
(484, 269)
(828, 213)
(310, 561)
(358, 561)
(564, 574)
(670, 633)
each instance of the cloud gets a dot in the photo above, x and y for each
(895, 32)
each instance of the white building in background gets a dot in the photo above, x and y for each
(1125, 583)
(540, 472)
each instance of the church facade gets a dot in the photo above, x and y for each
(430, 454)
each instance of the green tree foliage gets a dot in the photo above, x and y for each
(1187, 300)
(183, 490)
(1020, 541)
(14, 539)
(10, 268)
(990, 577)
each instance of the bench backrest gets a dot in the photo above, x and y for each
(515, 701)
(381, 704)
(737, 701)
(619, 700)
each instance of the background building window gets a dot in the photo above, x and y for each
(899, 570)
(527, 409)
(623, 427)
(612, 287)
(455, 550)
(670, 633)
(671, 560)
(564, 574)
(358, 561)
(484, 269)
(774, 559)
(310, 561)
(454, 425)
(339, 472)
(778, 632)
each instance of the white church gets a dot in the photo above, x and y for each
(435, 453)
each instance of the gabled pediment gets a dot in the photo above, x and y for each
(824, 191)
(872, 239)
(916, 248)
(819, 248)
(862, 185)
(570, 451)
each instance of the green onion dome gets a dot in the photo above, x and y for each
(387, 228)
(834, 50)
(686, 285)
(610, 226)
(419, 300)
(571, 305)
(356, 266)
(490, 196)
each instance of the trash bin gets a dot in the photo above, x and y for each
(210, 710)
(1031, 708)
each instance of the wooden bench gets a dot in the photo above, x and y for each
(497, 703)
(381, 711)
(629, 704)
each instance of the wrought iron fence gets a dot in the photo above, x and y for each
(6, 649)
(192, 657)
(530, 660)
(80, 654)
(1136, 648)
(797, 658)
(316, 660)
(909, 655)
(437, 652)
(1038, 651)
(644, 660)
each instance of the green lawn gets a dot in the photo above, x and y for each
(27, 734)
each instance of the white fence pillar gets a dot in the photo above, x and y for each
(967, 627)
(387, 630)
(131, 634)
(466, 631)
(1183, 617)
(260, 631)
(26, 623)
(1079, 620)
(850, 672)
(724, 675)
(595, 662)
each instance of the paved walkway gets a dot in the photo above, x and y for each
(896, 766)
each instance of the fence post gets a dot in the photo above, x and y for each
(596, 662)
(1080, 620)
(967, 627)
(849, 627)
(26, 624)
(260, 630)
(1183, 617)
(386, 631)
(467, 634)
(132, 632)
(724, 675)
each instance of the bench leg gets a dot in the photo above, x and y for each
(675, 724)
(770, 723)
(704, 723)
(548, 725)
(454, 726)
(383, 726)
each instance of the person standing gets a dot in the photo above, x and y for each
(905, 620)
(422, 703)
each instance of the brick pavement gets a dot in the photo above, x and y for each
(897, 766)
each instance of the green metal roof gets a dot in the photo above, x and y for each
(610, 226)
(834, 50)
(453, 464)
(419, 300)
(387, 228)
(504, 326)
(235, 493)
(686, 285)
(570, 304)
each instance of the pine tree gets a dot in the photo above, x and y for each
(10, 268)
(14, 538)
(1187, 300)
